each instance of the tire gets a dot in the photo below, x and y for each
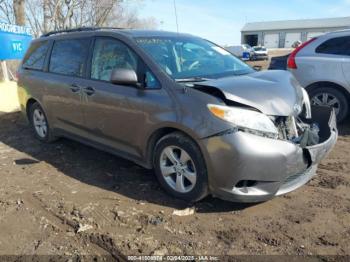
(177, 158)
(37, 119)
(331, 95)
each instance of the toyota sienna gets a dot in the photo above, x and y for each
(205, 121)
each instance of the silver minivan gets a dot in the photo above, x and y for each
(322, 67)
(206, 122)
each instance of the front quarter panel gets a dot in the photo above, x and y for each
(189, 112)
(186, 110)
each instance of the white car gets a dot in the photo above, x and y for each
(322, 66)
(260, 52)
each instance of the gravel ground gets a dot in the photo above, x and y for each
(66, 199)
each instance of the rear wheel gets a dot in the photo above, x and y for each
(329, 96)
(39, 123)
(180, 167)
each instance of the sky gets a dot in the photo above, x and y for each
(222, 20)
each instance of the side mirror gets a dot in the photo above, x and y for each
(123, 76)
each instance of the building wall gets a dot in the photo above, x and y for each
(283, 33)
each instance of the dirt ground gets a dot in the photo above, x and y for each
(68, 199)
(272, 53)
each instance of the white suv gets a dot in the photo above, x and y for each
(322, 66)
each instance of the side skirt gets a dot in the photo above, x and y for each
(102, 147)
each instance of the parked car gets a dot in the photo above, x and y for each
(240, 50)
(260, 52)
(209, 124)
(279, 62)
(322, 66)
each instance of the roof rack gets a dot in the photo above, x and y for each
(78, 29)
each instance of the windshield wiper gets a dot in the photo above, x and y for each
(192, 79)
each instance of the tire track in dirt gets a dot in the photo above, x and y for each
(63, 223)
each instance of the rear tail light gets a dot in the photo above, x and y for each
(291, 60)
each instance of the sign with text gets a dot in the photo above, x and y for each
(14, 41)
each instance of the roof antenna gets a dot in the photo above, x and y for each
(177, 23)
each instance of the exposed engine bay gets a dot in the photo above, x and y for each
(295, 130)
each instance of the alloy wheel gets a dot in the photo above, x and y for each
(326, 99)
(39, 122)
(178, 169)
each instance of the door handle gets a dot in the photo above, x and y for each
(75, 88)
(89, 91)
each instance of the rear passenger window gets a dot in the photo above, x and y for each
(35, 57)
(335, 46)
(68, 57)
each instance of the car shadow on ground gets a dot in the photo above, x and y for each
(96, 168)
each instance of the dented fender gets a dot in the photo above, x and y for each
(274, 166)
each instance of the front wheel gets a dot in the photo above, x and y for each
(328, 96)
(180, 167)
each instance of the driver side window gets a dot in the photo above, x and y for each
(110, 54)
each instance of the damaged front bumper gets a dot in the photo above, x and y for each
(249, 168)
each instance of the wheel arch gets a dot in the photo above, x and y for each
(29, 103)
(330, 84)
(157, 134)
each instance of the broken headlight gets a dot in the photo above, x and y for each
(246, 120)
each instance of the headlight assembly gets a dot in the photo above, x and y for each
(246, 120)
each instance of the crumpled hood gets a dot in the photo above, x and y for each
(273, 93)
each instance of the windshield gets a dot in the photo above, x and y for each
(190, 57)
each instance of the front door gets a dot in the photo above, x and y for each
(115, 114)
